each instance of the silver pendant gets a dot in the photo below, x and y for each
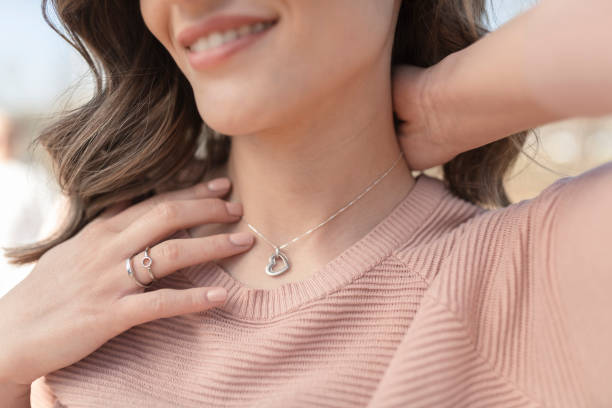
(272, 262)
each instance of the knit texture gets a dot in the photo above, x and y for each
(442, 304)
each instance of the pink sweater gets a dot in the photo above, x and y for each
(442, 304)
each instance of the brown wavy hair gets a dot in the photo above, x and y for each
(141, 131)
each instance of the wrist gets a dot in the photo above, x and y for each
(482, 93)
(471, 106)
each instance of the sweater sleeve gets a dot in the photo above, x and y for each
(572, 253)
(490, 327)
(507, 296)
(552, 372)
(522, 325)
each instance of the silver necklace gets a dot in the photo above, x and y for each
(277, 249)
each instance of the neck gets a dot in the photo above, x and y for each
(291, 178)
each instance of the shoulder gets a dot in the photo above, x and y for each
(532, 281)
(567, 228)
(466, 240)
(564, 238)
(490, 274)
(492, 249)
(575, 254)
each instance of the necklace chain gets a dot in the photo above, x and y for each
(277, 248)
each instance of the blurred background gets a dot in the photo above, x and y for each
(41, 75)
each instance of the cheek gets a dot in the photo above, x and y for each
(341, 35)
(313, 54)
(331, 51)
(155, 15)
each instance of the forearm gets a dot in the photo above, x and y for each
(550, 63)
(15, 395)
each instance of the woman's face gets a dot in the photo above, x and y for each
(316, 49)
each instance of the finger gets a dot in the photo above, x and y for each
(170, 216)
(214, 188)
(144, 307)
(169, 256)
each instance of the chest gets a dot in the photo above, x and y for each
(331, 351)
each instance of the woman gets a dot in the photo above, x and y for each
(351, 282)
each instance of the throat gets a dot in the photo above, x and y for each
(249, 267)
(251, 270)
(314, 225)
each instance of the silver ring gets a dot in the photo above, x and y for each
(128, 266)
(147, 262)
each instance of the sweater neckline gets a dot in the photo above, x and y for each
(248, 303)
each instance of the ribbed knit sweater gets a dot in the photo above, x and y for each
(442, 304)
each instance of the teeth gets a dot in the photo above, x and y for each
(219, 38)
(230, 36)
(214, 40)
(258, 26)
(244, 30)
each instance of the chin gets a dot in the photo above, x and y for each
(232, 124)
(242, 118)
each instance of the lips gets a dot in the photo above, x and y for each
(204, 58)
(220, 22)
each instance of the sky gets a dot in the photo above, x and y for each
(37, 65)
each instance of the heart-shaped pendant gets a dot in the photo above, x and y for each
(272, 262)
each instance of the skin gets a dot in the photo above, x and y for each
(310, 150)
(461, 103)
(582, 264)
(73, 307)
(302, 133)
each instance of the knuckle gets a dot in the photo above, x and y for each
(167, 211)
(93, 230)
(118, 324)
(124, 317)
(157, 304)
(217, 207)
(170, 250)
(218, 244)
(114, 321)
(194, 299)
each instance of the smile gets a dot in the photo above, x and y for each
(219, 45)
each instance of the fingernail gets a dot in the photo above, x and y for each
(234, 208)
(219, 184)
(241, 238)
(216, 295)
